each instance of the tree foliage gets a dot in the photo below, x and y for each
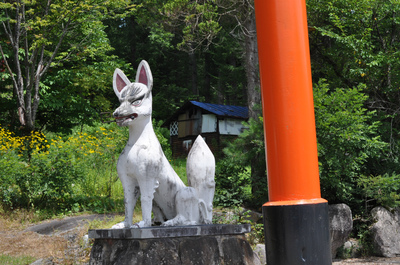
(195, 22)
(249, 150)
(208, 70)
(42, 34)
(357, 42)
(348, 141)
(354, 44)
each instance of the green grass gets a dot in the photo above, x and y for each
(102, 180)
(179, 166)
(9, 260)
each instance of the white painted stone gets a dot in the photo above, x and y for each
(145, 171)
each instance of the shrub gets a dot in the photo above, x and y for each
(52, 175)
(14, 152)
(383, 189)
(163, 136)
(99, 147)
(248, 150)
(348, 140)
(64, 173)
(12, 168)
(231, 184)
(40, 172)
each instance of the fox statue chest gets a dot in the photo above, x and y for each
(140, 160)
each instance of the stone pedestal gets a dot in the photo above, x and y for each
(202, 244)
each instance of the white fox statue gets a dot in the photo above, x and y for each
(145, 171)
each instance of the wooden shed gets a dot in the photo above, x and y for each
(215, 123)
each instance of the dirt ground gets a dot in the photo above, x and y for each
(369, 261)
(61, 241)
(58, 241)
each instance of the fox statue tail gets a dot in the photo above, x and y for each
(200, 170)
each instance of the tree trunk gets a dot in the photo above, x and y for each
(220, 88)
(251, 66)
(193, 71)
(207, 77)
(253, 94)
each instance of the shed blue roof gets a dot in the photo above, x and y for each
(228, 111)
(224, 110)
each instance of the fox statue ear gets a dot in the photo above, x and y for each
(143, 74)
(119, 81)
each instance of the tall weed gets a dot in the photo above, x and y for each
(41, 171)
(64, 173)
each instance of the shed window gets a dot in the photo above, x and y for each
(209, 123)
(187, 144)
(230, 126)
(173, 128)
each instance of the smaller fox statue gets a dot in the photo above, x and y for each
(145, 171)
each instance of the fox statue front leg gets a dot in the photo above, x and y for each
(131, 195)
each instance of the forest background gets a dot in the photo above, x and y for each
(56, 66)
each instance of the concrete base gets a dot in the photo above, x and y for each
(204, 244)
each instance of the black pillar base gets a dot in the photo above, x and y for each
(297, 234)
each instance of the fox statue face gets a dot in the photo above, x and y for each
(135, 98)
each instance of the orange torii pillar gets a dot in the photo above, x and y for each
(296, 218)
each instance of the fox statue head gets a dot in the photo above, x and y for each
(135, 98)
